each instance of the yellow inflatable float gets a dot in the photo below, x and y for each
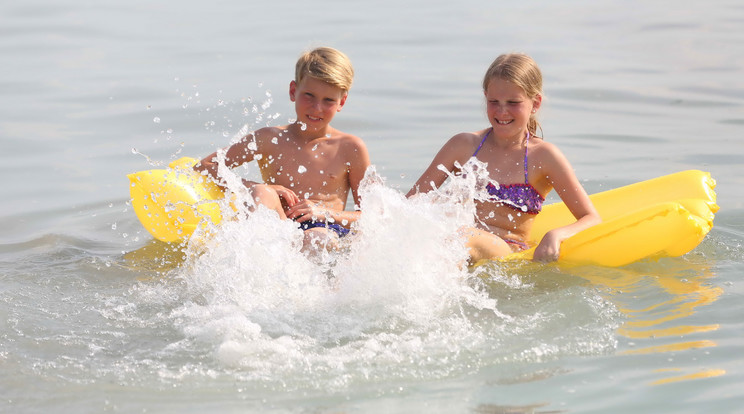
(662, 217)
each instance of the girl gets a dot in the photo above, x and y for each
(522, 166)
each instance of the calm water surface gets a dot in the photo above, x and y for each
(97, 317)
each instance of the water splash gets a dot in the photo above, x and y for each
(395, 302)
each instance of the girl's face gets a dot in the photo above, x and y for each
(509, 108)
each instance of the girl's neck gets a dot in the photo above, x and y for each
(519, 140)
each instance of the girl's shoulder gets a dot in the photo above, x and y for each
(547, 156)
(466, 141)
(539, 147)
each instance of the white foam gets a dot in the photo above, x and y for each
(396, 291)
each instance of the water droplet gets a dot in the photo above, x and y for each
(156, 120)
(113, 226)
(274, 140)
(301, 169)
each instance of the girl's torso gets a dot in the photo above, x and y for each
(512, 200)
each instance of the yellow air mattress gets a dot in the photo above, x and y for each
(171, 203)
(661, 217)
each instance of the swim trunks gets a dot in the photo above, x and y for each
(520, 196)
(337, 228)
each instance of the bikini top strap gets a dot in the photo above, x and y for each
(526, 144)
(481, 143)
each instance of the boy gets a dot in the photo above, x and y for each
(308, 167)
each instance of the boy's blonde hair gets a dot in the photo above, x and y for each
(326, 64)
(522, 71)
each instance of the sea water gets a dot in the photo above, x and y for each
(96, 316)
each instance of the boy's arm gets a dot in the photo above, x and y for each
(359, 161)
(357, 156)
(235, 155)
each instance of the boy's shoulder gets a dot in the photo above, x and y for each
(270, 132)
(282, 135)
(349, 139)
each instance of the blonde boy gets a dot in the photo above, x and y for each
(308, 167)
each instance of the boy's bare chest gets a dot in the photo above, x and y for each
(314, 167)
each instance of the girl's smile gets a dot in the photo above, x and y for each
(508, 107)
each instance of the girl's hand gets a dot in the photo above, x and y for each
(306, 210)
(549, 248)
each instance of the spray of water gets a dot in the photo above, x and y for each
(395, 301)
(395, 297)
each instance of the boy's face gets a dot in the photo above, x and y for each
(316, 102)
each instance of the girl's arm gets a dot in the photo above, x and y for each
(457, 149)
(563, 179)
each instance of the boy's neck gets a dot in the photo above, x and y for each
(305, 134)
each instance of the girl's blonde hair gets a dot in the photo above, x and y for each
(522, 71)
(326, 64)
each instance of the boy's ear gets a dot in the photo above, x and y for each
(292, 90)
(342, 101)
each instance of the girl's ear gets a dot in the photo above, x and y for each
(292, 90)
(536, 102)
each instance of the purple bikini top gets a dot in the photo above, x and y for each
(519, 196)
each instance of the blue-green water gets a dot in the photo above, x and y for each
(96, 317)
